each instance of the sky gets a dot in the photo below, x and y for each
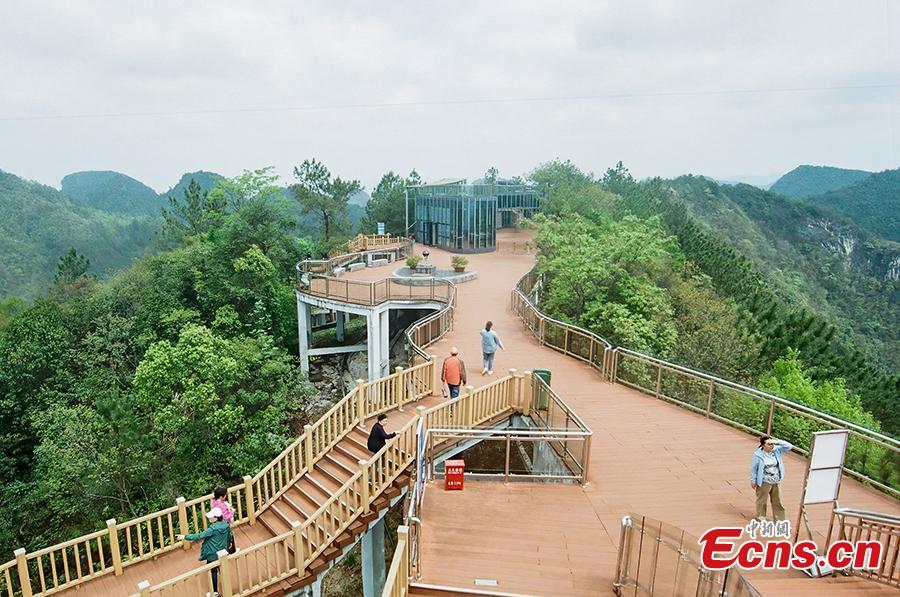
(733, 90)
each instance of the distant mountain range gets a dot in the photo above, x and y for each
(107, 216)
(38, 224)
(821, 258)
(804, 181)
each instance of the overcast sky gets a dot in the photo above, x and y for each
(399, 85)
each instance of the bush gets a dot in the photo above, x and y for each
(412, 262)
(459, 261)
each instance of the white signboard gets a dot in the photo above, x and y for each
(826, 463)
(380, 227)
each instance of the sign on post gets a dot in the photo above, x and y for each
(380, 227)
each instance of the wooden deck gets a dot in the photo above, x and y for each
(648, 457)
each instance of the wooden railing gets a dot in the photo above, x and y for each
(567, 338)
(359, 292)
(477, 406)
(291, 553)
(402, 246)
(364, 242)
(863, 525)
(396, 584)
(872, 457)
(120, 545)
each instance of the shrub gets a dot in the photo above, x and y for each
(412, 262)
(459, 261)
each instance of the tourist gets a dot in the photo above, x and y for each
(453, 373)
(766, 474)
(219, 501)
(215, 538)
(490, 341)
(378, 436)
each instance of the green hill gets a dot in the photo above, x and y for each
(38, 224)
(813, 180)
(112, 192)
(812, 257)
(206, 180)
(873, 202)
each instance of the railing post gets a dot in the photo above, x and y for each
(308, 447)
(709, 399)
(771, 416)
(114, 546)
(361, 402)
(248, 499)
(566, 340)
(24, 576)
(403, 539)
(435, 375)
(364, 477)
(658, 379)
(469, 416)
(224, 574)
(527, 394)
(399, 386)
(511, 390)
(183, 522)
(587, 458)
(543, 330)
(299, 556)
(144, 588)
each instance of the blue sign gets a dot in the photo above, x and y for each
(380, 227)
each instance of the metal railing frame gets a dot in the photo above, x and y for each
(865, 525)
(524, 294)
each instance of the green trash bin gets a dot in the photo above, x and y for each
(540, 401)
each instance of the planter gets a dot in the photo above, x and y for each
(459, 270)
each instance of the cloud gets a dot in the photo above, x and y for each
(94, 57)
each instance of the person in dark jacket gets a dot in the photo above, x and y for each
(378, 436)
(215, 538)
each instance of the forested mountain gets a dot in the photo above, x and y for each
(38, 224)
(813, 180)
(111, 192)
(206, 180)
(811, 257)
(173, 376)
(873, 202)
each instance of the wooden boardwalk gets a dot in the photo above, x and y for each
(647, 456)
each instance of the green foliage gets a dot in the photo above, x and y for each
(184, 356)
(71, 266)
(38, 224)
(873, 202)
(566, 189)
(111, 192)
(803, 181)
(197, 212)
(412, 262)
(388, 204)
(458, 261)
(606, 276)
(320, 194)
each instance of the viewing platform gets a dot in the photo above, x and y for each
(302, 512)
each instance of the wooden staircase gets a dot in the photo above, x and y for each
(304, 498)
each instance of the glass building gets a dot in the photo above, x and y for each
(464, 218)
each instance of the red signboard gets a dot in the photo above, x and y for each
(454, 470)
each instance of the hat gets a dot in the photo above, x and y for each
(214, 513)
(454, 350)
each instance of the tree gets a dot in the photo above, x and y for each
(491, 174)
(258, 185)
(320, 194)
(388, 203)
(71, 267)
(197, 213)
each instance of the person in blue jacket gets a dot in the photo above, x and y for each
(766, 474)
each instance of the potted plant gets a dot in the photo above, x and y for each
(412, 262)
(459, 263)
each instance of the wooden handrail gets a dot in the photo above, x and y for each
(396, 584)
